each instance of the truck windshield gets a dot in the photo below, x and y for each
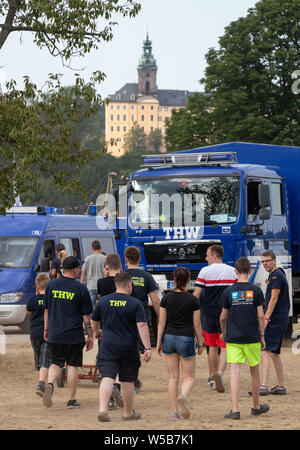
(184, 201)
(17, 251)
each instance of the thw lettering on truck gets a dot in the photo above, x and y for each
(63, 294)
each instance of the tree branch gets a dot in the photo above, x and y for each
(6, 28)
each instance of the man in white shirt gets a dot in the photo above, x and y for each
(212, 280)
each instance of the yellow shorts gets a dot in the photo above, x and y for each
(237, 353)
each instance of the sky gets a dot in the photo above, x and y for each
(181, 32)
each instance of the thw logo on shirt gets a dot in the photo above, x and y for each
(118, 302)
(63, 294)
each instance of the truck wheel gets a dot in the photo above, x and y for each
(25, 325)
(62, 379)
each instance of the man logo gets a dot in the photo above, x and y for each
(182, 252)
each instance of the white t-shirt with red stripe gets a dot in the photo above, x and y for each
(214, 279)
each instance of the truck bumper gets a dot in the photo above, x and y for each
(12, 314)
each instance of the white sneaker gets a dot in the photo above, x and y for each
(219, 380)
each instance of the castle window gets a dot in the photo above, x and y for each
(151, 117)
(143, 107)
(111, 128)
(147, 86)
(132, 118)
(142, 118)
(152, 107)
(124, 128)
(118, 117)
(112, 117)
(124, 117)
(118, 96)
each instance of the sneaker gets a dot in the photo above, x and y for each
(233, 415)
(40, 389)
(263, 390)
(176, 416)
(262, 409)
(73, 404)
(48, 394)
(116, 394)
(210, 380)
(278, 390)
(183, 405)
(103, 417)
(219, 380)
(136, 415)
(138, 386)
(112, 404)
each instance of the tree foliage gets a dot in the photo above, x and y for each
(250, 76)
(190, 127)
(38, 125)
(249, 82)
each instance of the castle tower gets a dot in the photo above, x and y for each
(147, 70)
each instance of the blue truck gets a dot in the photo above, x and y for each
(28, 236)
(244, 196)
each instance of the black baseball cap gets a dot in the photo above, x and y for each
(71, 262)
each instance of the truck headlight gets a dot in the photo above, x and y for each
(11, 297)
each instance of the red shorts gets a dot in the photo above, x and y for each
(213, 340)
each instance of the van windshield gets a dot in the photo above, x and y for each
(17, 251)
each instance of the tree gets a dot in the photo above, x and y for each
(36, 124)
(135, 140)
(154, 141)
(250, 76)
(192, 126)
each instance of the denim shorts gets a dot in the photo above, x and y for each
(184, 346)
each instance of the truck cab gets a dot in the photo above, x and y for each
(236, 194)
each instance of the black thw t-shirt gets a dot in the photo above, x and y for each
(180, 307)
(35, 305)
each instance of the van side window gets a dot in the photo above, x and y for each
(107, 245)
(277, 199)
(252, 200)
(72, 246)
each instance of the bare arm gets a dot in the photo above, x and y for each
(155, 301)
(96, 329)
(198, 330)
(261, 324)
(46, 324)
(145, 338)
(82, 277)
(272, 302)
(89, 343)
(197, 291)
(161, 328)
(223, 322)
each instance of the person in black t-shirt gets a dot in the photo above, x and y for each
(277, 307)
(41, 349)
(107, 286)
(242, 324)
(122, 319)
(179, 321)
(67, 306)
(56, 264)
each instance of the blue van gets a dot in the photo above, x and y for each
(28, 236)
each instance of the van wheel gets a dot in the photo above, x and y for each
(62, 379)
(25, 325)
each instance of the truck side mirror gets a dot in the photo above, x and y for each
(264, 214)
(264, 198)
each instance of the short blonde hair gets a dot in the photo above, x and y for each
(42, 280)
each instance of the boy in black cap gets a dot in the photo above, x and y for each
(67, 305)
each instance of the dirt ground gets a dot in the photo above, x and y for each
(22, 409)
